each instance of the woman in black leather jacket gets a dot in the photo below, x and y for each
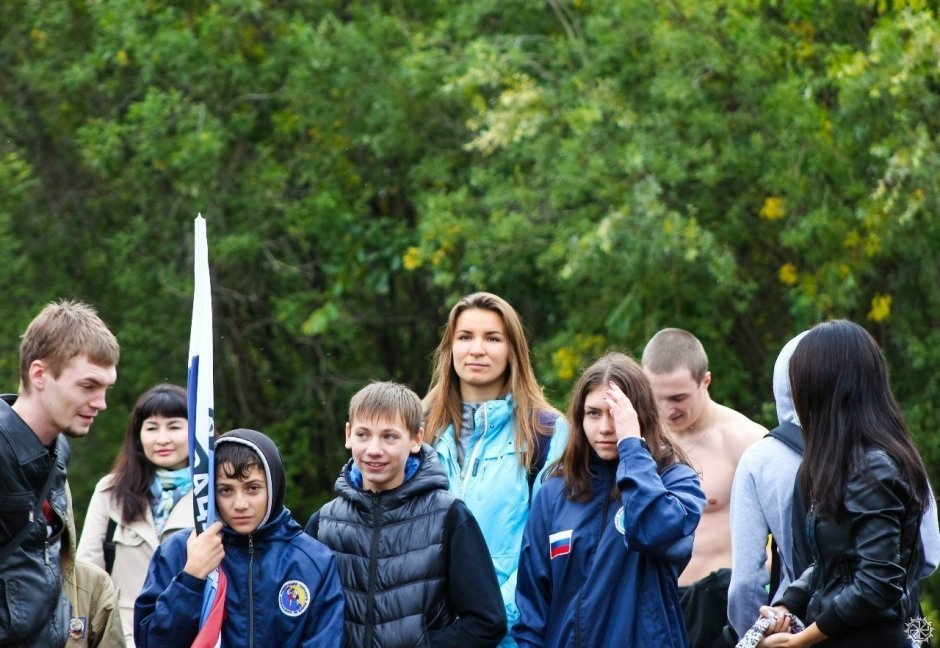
(868, 489)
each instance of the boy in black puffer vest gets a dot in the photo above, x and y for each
(413, 562)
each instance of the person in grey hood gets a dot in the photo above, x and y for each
(762, 502)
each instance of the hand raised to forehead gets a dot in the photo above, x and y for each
(625, 419)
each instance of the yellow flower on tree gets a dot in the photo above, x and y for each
(411, 259)
(773, 208)
(787, 274)
(880, 308)
(566, 363)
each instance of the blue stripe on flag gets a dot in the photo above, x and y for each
(201, 414)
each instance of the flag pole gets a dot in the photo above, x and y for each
(199, 386)
(201, 418)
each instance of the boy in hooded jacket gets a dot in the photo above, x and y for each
(412, 559)
(283, 588)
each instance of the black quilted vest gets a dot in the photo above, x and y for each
(390, 551)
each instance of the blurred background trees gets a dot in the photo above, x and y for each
(740, 169)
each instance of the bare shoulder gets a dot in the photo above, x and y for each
(738, 431)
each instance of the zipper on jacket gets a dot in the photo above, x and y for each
(251, 590)
(474, 460)
(373, 569)
(845, 571)
(818, 573)
(610, 487)
(577, 610)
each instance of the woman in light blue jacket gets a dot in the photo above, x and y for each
(491, 426)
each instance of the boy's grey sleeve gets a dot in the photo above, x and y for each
(930, 537)
(749, 530)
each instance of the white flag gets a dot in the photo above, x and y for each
(199, 387)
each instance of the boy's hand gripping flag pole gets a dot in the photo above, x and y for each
(201, 434)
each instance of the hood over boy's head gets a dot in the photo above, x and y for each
(783, 395)
(243, 449)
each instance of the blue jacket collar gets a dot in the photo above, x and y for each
(282, 526)
(423, 472)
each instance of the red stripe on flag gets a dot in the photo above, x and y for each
(210, 635)
(561, 550)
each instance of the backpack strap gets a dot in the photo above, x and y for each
(109, 546)
(791, 436)
(543, 443)
(802, 553)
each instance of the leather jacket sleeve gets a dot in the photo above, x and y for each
(869, 579)
(797, 594)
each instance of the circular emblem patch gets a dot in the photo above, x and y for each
(294, 598)
(618, 520)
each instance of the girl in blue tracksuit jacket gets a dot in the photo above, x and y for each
(283, 586)
(611, 530)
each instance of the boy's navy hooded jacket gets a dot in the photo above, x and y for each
(605, 572)
(283, 587)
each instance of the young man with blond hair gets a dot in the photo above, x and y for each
(713, 437)
(68, 360)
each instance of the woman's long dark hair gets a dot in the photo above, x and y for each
(628, 375)
(133, 472)
(839, 381)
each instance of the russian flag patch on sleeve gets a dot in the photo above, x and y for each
(560, 543)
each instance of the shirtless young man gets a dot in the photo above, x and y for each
(714, 437)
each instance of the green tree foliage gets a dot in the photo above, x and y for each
(291, 130)
(741, 169)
